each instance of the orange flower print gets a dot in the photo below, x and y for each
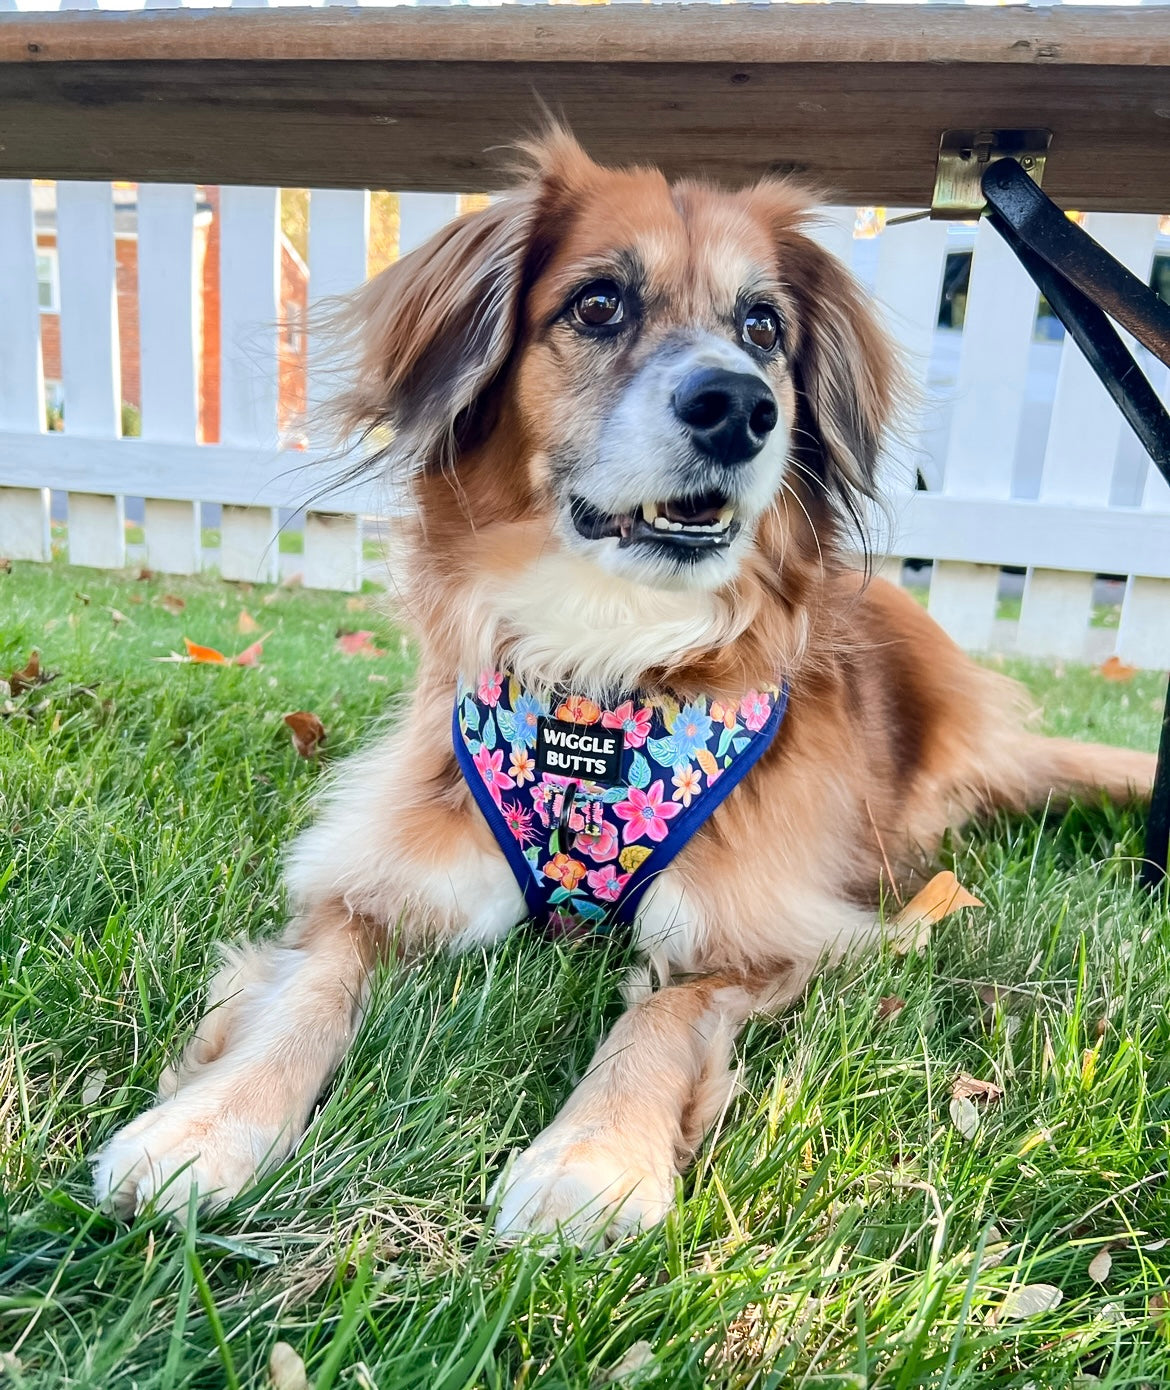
(578, 710)
(687, 784)
(723, 714)
(566, 871)
(523, 768)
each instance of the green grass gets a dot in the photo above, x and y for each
(837, 1232)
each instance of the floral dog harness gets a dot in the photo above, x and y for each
(589, 803)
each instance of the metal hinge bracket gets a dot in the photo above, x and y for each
(963, 157)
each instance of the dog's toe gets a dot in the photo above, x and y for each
(587, 1189)
(185, 1145)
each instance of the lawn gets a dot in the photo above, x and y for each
(839, 1231)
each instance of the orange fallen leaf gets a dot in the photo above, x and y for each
(307, 731)
(355, 605)
(30, 676)
(205, 654)
(172, 603)
(5, 565)
(970, 1087)
(246, 623)
(250, 655)
(358, 643)
(889, 1006)
(943, 895)
(145, 573)
(1116, 670)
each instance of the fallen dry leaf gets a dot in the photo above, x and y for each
(95, 1084)
(965, 1117)
(293, 581)
(975, 1089)
(145, 573)
(29, 677)
(246, 623)
(358, 644)
(307, 732)
(889, 1006)
(250, 655)
(357, 604)
(1116, 670)
(116, 616)
(5, 565)
(286, 1370)
(1029, 1300)
(172, 603)
(1100, 1265)
(204, 654)
(944, 894)
(639, 1355)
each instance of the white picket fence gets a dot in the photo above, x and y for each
(1010, 486)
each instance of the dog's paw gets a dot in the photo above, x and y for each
(188, 1143)
(589, 1188)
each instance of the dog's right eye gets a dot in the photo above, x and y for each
(599, 305)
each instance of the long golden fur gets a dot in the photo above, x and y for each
(492, 408)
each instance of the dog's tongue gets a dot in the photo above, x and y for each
(691, 513)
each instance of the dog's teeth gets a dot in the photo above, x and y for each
(675, 526)
(725, 516)
(660, 523)
(649, 511)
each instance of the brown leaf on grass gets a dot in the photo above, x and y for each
(943, 895)
(204, 654)
(307, 731)
(250, 655)
(81, 598)
(1116, 670)
(172, 603)
(890, 1006)
(1028, 1301)
(30, 676)
(246, 623)
(145, 573)
(1100, 1265)
(358, 644)
(116, 615)
(293, 581)
(975, 1089)
(5, 565)
(286, 1370)
(357, 604)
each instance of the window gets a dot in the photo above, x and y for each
(47, 293)
(1160, 277)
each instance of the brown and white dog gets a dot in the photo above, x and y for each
(635, 418)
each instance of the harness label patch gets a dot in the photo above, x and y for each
(564, 749)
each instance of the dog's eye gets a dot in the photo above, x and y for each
(599, 305)
(761, 327)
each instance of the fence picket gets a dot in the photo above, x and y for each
(249, 276)
(338, 246)
(90, 366)
(993, 365)
(1079, 461)
(421, 215)
(168, 323)
(24, 512)
(1143, 637)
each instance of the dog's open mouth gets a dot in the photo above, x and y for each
(706, 522)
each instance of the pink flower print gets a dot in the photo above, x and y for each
(645, 813)
(518, 821)
(490, 685)
(607, 883)
(635, 723)
(601, 845)
(523, 767)
(687, 784)
(754, 709)
(490, 767)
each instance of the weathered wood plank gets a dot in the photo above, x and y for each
(731, 91)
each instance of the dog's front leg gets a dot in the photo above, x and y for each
(607, 1163)
(401, 861)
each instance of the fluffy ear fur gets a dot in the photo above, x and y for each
(429, 335)
(846, 369)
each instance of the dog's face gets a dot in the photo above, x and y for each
(651, 369)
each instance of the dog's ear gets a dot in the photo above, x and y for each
(846, 369)
(427, 336)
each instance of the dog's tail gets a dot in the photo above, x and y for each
(1029, 773)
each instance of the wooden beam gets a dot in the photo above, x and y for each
(854, 97)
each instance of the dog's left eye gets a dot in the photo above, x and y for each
(599, 305)
(761, 327)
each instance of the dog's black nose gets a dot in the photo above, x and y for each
(729, 414)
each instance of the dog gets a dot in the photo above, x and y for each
(637, 421)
